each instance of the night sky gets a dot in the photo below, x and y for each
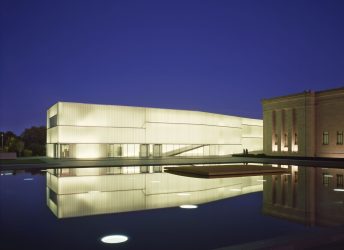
(215, 56)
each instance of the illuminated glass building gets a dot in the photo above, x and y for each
(76, 130)
(73, 192)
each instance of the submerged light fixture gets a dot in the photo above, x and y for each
(188, 206)
(114, 239)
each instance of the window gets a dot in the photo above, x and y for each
(326, 180)
(286, 140)
(276, 139)
(295, 139)
(325, 138)
(296, 177)
(340, 181)
(52, 121)
(52, 196)
(340, 138)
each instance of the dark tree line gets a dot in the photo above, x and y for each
(30, 143)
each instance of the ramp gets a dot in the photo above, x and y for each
(182, 150)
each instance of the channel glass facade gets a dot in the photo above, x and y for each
(73, 192)
(76, 130)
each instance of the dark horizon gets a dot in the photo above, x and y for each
(220, 57)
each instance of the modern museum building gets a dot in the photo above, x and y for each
(77, 130)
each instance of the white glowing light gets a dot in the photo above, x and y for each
(188, 206)
(261, 180)
(284, 166)
(338, 189)
(183, 194)
(328, 175)
(114, 239)
(8, 174)
(28, 179)
(155, 181)
(235, 189)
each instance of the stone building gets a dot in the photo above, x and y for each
(307, 124)
(308, 195)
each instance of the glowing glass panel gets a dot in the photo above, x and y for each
(183, 194)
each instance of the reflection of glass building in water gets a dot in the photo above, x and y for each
(75, 192)
(313, 196)
(76, 130)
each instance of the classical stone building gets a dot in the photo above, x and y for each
(306, 124)
(309, 195)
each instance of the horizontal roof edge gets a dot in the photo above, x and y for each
(155, 109)
(303, 94)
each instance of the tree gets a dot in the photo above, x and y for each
(34, 139)
(14, 144)
(7, 137)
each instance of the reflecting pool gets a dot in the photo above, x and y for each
(143, 207)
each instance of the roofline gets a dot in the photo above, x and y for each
(200, 111)
(306, 92)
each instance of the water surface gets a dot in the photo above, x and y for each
(75, 208)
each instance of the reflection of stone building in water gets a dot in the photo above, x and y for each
(305, 124)
(76, 130)
(91, 191)
(308, 195)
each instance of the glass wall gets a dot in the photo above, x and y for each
(89, 150)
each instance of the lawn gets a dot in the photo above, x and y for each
(22, 161)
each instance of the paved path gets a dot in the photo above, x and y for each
(233, 170)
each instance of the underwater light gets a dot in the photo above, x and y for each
(114, 239)
(188, 206)
(28, 179)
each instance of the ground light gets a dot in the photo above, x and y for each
(114, 239)
(188, 206)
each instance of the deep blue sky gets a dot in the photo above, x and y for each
(216, 56)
